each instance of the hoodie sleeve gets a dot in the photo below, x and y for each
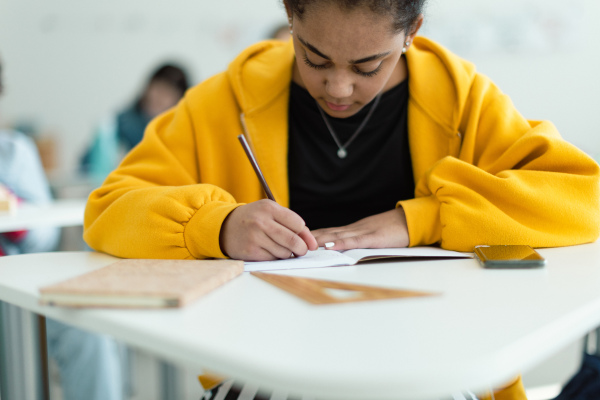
(152, 205)
(513, 182)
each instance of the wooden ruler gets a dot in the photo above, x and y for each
(317, 291)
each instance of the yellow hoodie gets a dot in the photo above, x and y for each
(483, 173)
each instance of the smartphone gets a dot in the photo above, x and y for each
(508, 256)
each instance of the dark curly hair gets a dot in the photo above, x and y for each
(404, 12)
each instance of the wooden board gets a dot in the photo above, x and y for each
(141, 283)
(317, 291)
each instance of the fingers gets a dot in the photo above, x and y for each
(286, 241)
(325, 237)
(388, 229)
(258, 245)
(309, 239)
(358, 235)
(288, 218)
(259, 254)
(277, 252)
(264, 230)
(297, 237)
(346, 240)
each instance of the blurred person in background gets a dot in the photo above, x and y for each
(22, 175)
(118, 134)
(89, 364)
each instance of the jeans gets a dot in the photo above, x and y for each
(90, 365)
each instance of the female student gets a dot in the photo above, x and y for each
(368, 136)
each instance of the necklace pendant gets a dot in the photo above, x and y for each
(342, 153)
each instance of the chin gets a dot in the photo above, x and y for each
(350, 111)
(340, 114)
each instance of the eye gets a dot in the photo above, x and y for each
(369, 73)
(313, 65)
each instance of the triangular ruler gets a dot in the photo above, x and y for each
(317, 291)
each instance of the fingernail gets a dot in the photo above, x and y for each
(329, 244)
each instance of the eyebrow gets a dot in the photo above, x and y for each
(359, 61)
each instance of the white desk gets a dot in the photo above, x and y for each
(487, 325)
(59, 213)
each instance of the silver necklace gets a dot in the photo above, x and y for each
(342, 153)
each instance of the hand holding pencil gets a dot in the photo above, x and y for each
(264, 230)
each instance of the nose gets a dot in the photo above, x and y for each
(339, 85)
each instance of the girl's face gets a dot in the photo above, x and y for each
(159, 97)
(345, 58)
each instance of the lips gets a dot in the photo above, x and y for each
(337, 107)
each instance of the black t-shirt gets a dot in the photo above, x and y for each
(327, 191)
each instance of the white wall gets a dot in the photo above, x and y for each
(545, 54)
(68, 63)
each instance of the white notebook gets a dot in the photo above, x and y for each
(332, 258)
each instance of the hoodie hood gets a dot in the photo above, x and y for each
(261, 73)
(439, 82)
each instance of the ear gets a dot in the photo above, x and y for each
(415, 29)
(288, 9)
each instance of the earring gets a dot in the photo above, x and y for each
(406, 44)
(291, 26)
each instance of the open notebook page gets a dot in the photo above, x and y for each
(332, 258)
(424, 251)
(312, 259)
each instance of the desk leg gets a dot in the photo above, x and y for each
(596, 342)
(170, 385)
(43, 343)
(20, 369)
(591, 343)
